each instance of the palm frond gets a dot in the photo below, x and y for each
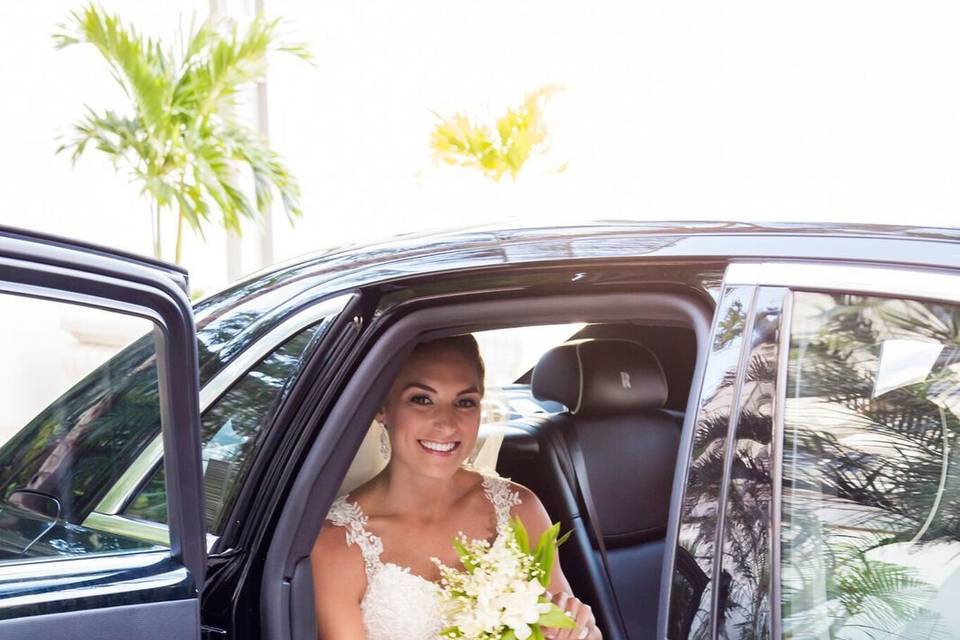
(110, 133)
(139, 65)
(182, 142)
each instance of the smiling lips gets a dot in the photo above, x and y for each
(439, 448)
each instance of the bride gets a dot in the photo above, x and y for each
(372, 568)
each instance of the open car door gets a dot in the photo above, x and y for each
(60, 577)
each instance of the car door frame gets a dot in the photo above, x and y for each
(919, 282)
(333, 449)
(37, 266)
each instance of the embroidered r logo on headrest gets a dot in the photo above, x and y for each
(625, 380)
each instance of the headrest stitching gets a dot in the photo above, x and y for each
(580, 379)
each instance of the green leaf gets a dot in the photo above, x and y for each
(520, 534)
(564, 537)
(464, 554)
(546, 550)
(509, 635)
(556, 618)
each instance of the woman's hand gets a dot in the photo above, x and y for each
(581, 613)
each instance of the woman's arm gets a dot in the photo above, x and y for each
(338, 585)
(536, 520)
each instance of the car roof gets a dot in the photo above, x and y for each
(518, 241)
(261, 298)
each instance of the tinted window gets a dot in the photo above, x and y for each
(870, 537)
(51, 469)
(230, 429)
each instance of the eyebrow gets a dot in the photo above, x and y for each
(420, 385)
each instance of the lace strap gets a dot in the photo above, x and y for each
(504, 498)
(349, 515)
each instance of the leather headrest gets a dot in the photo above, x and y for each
(597, 376)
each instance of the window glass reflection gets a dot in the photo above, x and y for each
(229, 430)
(870, 537)
(743, 604)
(80, 402)
(691, 593)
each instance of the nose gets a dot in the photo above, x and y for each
(445, 418)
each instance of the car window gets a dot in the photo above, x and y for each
(229, 431)
(52, 459)
(870, 531)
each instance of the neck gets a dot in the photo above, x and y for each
(410, 492)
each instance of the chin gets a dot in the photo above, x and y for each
(435, 467)
(439, 469)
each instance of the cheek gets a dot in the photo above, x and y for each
(470, 423)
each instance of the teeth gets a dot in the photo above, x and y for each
(439, 446)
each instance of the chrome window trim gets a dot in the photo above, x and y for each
(128, 483)
(881, 280)
(154, 532)
(55, 566)
(122, 490)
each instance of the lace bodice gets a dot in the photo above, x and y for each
(398, 604)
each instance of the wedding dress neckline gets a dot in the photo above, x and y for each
(348, 513)
(398, 604)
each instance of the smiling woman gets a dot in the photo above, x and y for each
(375, 569)
(433, 407)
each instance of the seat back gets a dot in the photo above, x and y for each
(614, 390)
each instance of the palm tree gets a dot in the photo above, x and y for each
(181, 142)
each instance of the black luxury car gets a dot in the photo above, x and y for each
(750, 430)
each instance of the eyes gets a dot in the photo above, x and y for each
(461, 403)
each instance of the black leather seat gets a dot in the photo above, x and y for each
(614, 390)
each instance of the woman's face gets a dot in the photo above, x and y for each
(432, 412)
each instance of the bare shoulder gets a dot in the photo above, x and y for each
(331, 542)
(333, 558)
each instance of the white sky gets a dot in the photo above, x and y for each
(839, 110)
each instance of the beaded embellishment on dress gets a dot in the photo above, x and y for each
(398, 604)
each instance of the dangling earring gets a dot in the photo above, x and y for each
(384, 442)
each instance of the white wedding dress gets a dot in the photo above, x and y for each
(397, 604)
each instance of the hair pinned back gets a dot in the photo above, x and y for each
(464, 344)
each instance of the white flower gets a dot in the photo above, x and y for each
(502, 591)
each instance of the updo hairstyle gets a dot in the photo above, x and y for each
(464, 344)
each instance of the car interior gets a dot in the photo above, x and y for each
(599, 447)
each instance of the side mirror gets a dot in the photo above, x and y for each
(42, 504)
(43, 508)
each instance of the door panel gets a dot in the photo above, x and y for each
(75, 448)
(153, 621)
(721, 569)
(743, 570)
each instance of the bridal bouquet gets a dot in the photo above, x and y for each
(500, 594)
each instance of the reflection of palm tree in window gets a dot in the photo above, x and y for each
(866, 475)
